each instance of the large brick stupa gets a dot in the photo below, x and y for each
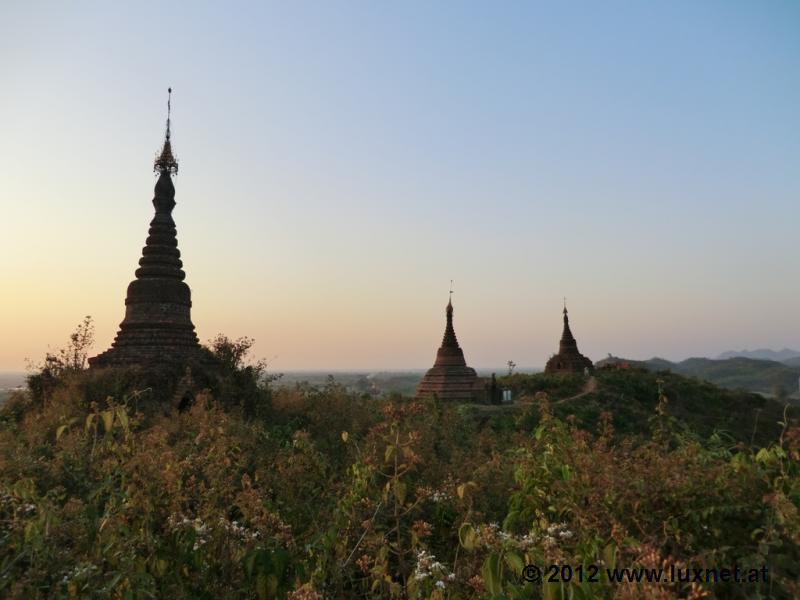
(568, 359)
(157, 328)
(450, 379)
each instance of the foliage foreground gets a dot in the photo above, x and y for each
(319, 493)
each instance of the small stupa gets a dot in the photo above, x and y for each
(450, 378)
(568, 359)
(157, 328)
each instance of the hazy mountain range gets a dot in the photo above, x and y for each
(755, 375)
(762, 354)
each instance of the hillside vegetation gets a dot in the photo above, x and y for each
(764, 376)
(631, 397)
(108, 490)
(792, 362)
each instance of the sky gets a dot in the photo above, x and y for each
(340, 163)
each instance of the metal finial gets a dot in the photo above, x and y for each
(565, 304)
(166, 161)
(451, 290)
(169, 107)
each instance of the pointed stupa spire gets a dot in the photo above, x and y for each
(449, 340)
(165, 162)
(567, 339)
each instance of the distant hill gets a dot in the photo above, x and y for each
(631, 395)
(761, 354)
(749, 374)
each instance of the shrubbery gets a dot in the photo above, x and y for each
(320, 493)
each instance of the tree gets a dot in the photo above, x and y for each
(242, 382)
(70, 359)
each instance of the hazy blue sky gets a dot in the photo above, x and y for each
(341, 162)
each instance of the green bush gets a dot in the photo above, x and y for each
(321, 493)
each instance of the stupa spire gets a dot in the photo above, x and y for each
(449, 340)
(567, 339)
(166, 162)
